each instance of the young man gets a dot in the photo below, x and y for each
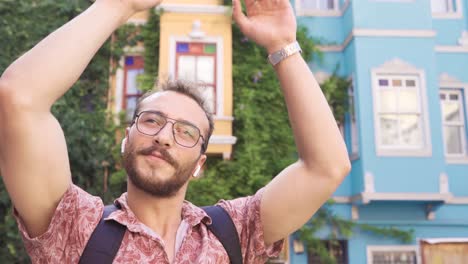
(163, 148)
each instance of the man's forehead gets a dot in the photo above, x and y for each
(176, 105)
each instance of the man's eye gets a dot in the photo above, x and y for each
(153, 121)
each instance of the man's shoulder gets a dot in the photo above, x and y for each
(243, 204)
(76, 215)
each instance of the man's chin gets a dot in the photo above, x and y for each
(159, 188)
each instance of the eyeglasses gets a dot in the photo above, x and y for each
(185, 134)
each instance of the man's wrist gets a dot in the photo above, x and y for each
(284, 52)
(122, 11)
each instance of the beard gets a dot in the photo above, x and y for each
(150, 183)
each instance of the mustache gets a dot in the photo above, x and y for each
(164, 153)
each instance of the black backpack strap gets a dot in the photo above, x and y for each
(105, 240)
(224, 229)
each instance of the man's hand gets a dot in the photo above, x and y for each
(270, 23)
(130, 7)
(140, 5)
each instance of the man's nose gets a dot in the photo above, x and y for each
(165, 137)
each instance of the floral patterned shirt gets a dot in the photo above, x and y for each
(78, 213)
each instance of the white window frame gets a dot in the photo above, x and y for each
(320, 12)
(393, 248)
(463, 87)
(454, 10)
(397, 67)
(173, 40)
(119, 78)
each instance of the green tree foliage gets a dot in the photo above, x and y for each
(90, 133)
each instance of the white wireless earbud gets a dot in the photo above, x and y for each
(122, 146)
(195, 174)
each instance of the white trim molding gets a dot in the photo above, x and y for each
(444, 183)
(223, 118)
(366, 198)
(445, 240)
(354, 212)
(451, 49)
(407, 33)
(219, 64)
(187, 8)
(221, 140)
(458, 200)
(341, 199)
(461, 48)
(365, 32)
(393, 248)
(369, 183)
(399, 67)
(436, 197)
(119, 85)
(446, 79)
(463, 40)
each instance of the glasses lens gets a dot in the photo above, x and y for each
(150, 123)
(185, 134)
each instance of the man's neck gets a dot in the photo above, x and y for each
(162, 215)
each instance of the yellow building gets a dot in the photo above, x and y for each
(195, 44)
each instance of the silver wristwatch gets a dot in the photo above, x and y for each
(283, 53)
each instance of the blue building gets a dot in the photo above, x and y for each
(407, 128)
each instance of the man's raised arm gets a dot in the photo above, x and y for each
(33, 155)
(298, 191)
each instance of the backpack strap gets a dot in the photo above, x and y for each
(224, 229)
(105, 240)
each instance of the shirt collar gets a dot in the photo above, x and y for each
(192, 214)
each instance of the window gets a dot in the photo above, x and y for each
(453, 121)
(354, 128)
(319, 4)
(132, 69)
(400, 110)
(392, 255)
(337, 249)
(318, 7)
(442, 6)
(197, 62)
(446, 9)
(400, 120)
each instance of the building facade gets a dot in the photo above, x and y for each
(195, 44)
(406, 131)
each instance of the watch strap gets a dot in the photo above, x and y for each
(277, 56)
